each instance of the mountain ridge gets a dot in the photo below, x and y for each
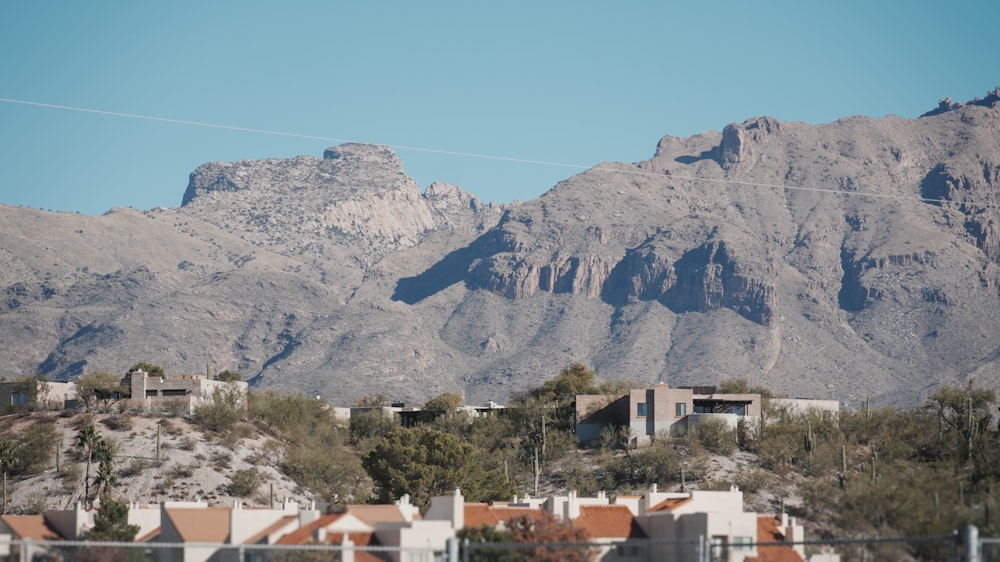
(851, 259)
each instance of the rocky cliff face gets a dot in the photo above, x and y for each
(848, 260)
(356, 194)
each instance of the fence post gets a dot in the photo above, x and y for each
(701, 549)
(467, 556)
(972, 546)
(451, 545)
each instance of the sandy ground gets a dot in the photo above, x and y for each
(193, 465)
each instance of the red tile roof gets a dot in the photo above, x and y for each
(304, 534)
(481, 515)
(768, 530)
(271, 529)
(608, 521)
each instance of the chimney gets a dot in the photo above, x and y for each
(572, 509)
(347, 554)
(319, 535)
(458, 510)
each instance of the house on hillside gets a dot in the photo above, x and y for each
(409, 415)
(35, 394)
(648, 412)
(184, 392)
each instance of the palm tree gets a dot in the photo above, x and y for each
(9, 456)
(106, 479)
(87, 438)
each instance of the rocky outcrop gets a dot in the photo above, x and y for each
(356, 193)
(514, 278)
(713, 276)
(974, 188)
(736, 152)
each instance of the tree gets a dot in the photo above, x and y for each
(424, 462)
(545, 529)
(227, 407)
(104, 452)
(100, 388)
(111, 522)
(149, 369)
(9, 457)
(373, 424)
(440, 406)
(490, 535)
(228, 376)
(87, 439)
(371, 401)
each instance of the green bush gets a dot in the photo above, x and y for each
(224, 412)
(245, 483)
(715, 435)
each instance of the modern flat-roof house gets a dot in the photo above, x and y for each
(35, 394)
(184, 391)
(647, 412)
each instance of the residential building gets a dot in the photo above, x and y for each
(659, 410)
(184, 392)
(32, 394)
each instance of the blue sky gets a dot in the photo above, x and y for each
(573, 82)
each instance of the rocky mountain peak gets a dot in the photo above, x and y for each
(357, 194)
(358, 154)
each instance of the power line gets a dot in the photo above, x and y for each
(494, 157)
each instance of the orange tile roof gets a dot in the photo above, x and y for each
(480, 515)
(31, 527)
(505, 513)
(769, 531)
(608, 521)
(304, 534)
(200, 524)
(670, 504)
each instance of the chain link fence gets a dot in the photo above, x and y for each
(964, 546)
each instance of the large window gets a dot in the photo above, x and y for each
(642, 409)
(681, 409)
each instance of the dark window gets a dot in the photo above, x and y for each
(175, 392)
(681, 409)
(152, 393)
(18, 398)
(642, 409)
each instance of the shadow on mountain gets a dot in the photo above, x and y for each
(445, 273)
(691, 159)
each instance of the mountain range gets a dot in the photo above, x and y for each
(850, 260)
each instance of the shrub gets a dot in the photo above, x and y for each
(245, 483)
(118, 422)
(135, 467)
(224, 411)
(38, 443)
(72, 475)
(715, 435)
